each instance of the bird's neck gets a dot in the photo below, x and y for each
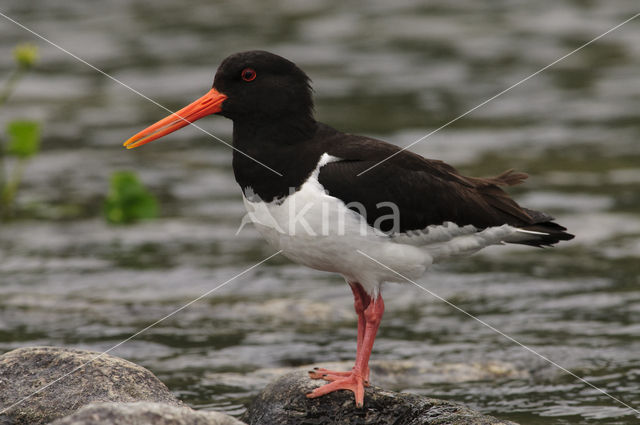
(280, 129)
(274, 157)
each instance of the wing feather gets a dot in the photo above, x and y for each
(426, 192)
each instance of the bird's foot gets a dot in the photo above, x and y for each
(332, 375)
(353, 381)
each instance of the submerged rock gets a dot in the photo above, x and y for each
(389, 374)
(144, 413)
(76, 387)
(73, 378)
(417, 372)
(284, 403)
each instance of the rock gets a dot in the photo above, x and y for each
(393, 375)
(284, 403)
(106, 378)
(143, 413)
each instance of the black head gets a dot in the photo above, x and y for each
(261, 85)
(256, 89)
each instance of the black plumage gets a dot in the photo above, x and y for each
(287, 138)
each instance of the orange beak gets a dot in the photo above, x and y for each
(208, 104)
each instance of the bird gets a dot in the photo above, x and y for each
(349, 204)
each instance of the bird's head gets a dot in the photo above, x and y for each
(251, 87)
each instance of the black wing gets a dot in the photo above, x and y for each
(426, 192)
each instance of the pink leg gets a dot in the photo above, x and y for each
(361, 301)
(355, 380)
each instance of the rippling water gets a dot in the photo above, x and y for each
(395, 70)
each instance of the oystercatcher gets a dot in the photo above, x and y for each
(326, 198)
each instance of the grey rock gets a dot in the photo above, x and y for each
(104, 378)
(143, 413)
(394, 375)
(284, 403)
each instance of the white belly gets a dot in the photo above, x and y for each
(318, 230)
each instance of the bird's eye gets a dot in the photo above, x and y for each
(248, 74)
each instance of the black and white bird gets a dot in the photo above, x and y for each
(345, 203)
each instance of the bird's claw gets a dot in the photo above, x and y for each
(332, 375)
(326, 374)
(352, 381)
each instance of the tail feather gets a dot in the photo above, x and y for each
(543, 233)
(536, 227)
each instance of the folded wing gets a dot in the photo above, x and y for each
(426, 192)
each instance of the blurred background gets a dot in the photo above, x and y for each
(74, 273)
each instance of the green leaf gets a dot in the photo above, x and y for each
(128, 200)
(24, 138)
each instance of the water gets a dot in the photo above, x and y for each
(394, 70)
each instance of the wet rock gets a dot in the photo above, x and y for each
(105, 378)
(143, 413)
(284, 403)
(396, 374)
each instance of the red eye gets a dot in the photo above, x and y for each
(248, 74)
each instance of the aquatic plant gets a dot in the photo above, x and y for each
(128, 200)
(22, 138)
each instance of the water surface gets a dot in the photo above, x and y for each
(393, 70)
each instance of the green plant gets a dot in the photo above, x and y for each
(128, 200)
(23, 136)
